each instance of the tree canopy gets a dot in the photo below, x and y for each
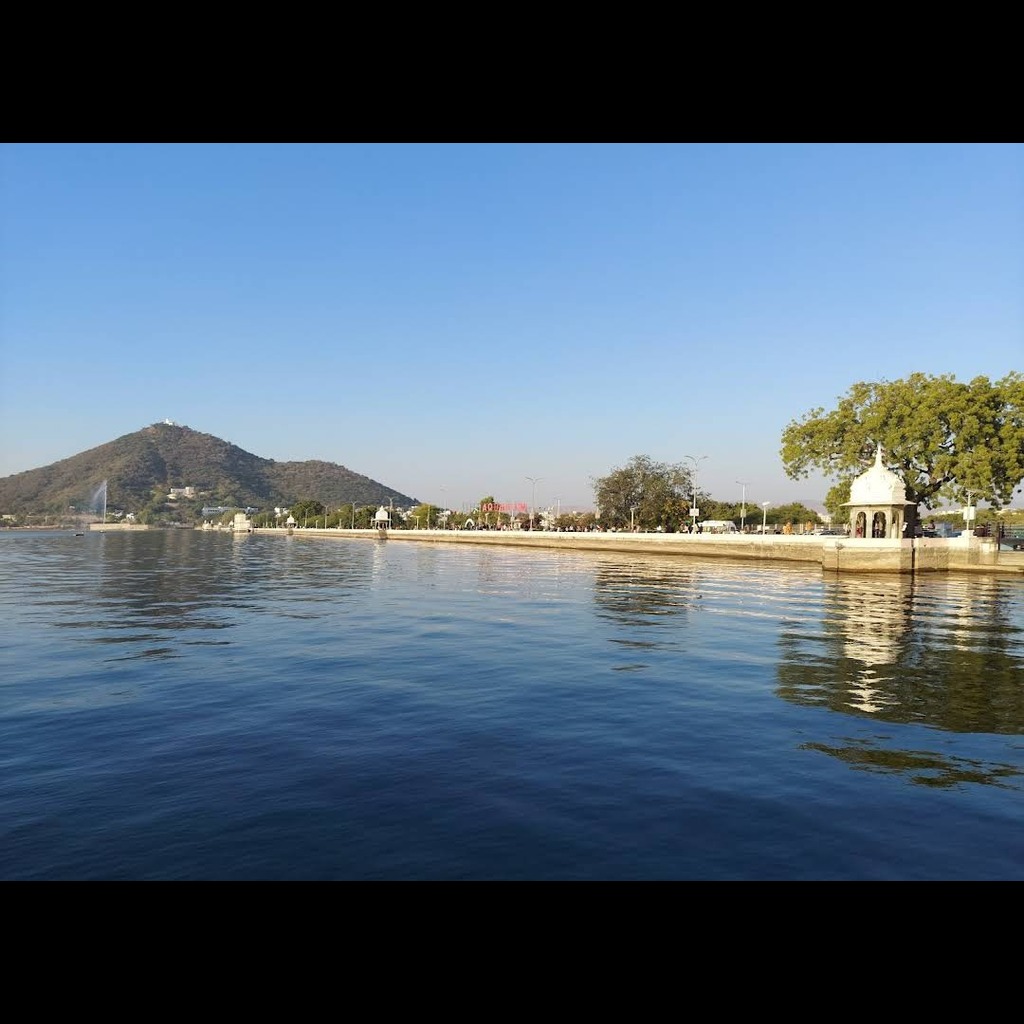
(945, 439)
(643, 493)
(424, 516)
(307, 508)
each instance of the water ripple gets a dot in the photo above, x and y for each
(190, 705)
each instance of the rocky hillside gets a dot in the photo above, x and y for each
(141, 468)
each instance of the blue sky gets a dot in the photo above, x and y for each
(451, 319)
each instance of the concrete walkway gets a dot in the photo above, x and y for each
(845, 554)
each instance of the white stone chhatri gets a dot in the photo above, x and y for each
(878, 504)
(878, 486)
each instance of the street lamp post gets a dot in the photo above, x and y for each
(743, 504)
(533, 500)
(632, 509)
(696, 460)
(764, 518)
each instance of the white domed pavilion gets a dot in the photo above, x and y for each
(878, 504)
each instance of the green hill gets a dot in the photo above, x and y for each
(141, 468)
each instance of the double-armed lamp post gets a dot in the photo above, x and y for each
(743, 504)
(533, 500)
(696, 460)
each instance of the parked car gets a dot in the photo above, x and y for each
(1012, 538)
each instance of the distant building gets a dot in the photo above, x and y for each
(181, 492)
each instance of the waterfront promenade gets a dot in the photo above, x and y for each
(966, 553)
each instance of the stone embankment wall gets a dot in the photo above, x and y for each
(834, 554)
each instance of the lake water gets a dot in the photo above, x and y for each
(189, 705)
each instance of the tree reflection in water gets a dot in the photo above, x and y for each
(925, 768)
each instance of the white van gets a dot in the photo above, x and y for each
(719, 526)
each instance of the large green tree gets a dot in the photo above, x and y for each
(644, 493)
(305, 510)
(945, 439)
(423, 516)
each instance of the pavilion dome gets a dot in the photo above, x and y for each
(878, 486)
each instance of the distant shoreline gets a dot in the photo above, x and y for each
(965, 553)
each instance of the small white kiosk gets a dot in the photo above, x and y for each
(878, 505)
